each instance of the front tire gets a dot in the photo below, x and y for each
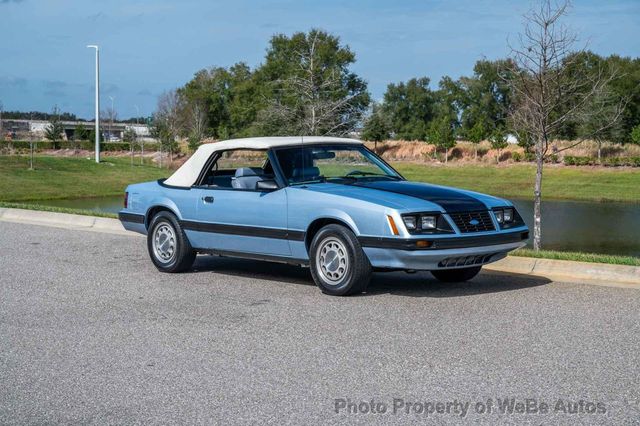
(456, 275)
(338, 264)
(168, 246)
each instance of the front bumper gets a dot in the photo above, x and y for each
(454, 253)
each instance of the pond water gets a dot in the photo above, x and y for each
(611, 228)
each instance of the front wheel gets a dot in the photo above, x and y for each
(168, 246)
(338, 263)
(456, 275)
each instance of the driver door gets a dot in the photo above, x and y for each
(233, 215)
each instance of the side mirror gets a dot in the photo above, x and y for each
(267, 185)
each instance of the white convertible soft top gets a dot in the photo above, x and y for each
(187, 174)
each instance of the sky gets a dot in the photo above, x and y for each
(148, 47)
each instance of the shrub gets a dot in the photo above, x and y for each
(571, 160)
(517, 157)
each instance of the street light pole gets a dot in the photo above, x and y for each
(93, 46)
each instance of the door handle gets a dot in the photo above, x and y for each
(208, 199)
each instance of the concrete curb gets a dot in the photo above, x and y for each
(565, 270)
(557, 270)
(64, 220)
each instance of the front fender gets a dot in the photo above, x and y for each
(335, 214)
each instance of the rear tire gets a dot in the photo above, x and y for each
(338, 264)
(168, 246)
(456, 275)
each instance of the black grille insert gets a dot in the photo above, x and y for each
(466, 260)
(477, 221)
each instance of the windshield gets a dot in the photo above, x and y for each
(339, 163)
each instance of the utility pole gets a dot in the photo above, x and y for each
(93, 46)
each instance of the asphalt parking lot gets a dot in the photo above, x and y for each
(90, 332)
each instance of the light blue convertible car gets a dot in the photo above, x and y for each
(327, 203)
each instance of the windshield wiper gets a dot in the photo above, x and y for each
(319, 179)
(353, 174)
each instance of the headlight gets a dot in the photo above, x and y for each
(428, 222)
(409, 222)
(505, 216)
(508, 215)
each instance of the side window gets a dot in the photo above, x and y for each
(239, 169)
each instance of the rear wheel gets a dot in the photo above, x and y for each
(168, 246)
(338, 263)
(456, 275)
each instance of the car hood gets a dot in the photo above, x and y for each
(450, 199)
(405, 194)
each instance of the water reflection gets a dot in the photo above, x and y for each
(612, 228)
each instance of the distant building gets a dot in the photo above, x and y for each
(24, 129)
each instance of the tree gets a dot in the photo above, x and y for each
(485, 96)
(81, 133)
(635, 135)
(130, 136)
(498, 141)
(54, 129)
(476, 135)
(441, 135)
(547, 94)
(220, 102)
(308, 86)
(409, 107)
(166, 121)
(376, 127)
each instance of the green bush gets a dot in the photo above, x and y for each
(529, 157)
(517, 157)
(571, 160)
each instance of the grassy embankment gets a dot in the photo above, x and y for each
(516, 180)
(63, 177)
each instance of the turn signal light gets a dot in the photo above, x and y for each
(126, 200)
(423, 244)
(392, 224)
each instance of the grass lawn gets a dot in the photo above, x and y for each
(64, 177)
(516, 180)
(578, 257)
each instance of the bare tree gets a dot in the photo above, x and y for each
(547, 91)
(196, 120)
(167, 122)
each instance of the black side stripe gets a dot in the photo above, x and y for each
(443, 243)
(131, 217)
(247, 231)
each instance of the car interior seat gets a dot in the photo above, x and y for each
(247, 178)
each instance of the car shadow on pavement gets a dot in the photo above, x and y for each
(419, 284)
(423, 284)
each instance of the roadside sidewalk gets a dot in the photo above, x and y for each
(557, 270)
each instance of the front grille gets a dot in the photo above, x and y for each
(477, 221)
(465, 260)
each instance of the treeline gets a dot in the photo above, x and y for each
(478, 107)
(38, 115)
(305, 86)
